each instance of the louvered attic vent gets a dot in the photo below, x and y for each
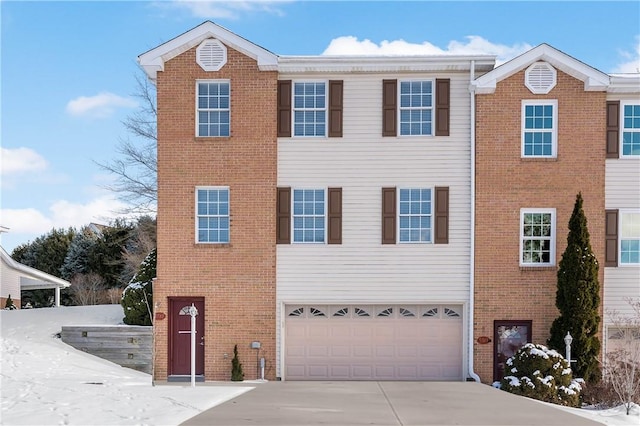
(540, 78)
(211, 55)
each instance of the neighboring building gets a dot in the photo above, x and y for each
(324, 206)
(15, 277)
(544, 132)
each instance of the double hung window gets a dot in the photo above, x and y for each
(213, 108)
(415, 210)
(416, 107)
(539, 128)
(212, 215)
(309, 215)
(309, 109)
(629, 237)
(630, 130)
(537, 237)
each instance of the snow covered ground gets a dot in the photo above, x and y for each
(46, 382)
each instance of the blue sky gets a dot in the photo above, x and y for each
(68, 72)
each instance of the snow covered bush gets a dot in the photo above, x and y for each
(9, 305)
(137, 297)
(538, 372)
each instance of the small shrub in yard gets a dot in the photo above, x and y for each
(137, 297)
(538, 372)
(236, 367)
(9, 305)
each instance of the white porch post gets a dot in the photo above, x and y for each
(57, 296)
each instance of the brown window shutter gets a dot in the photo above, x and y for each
(611, 238)
(442, 106)
(388, 215)
(389, 107)
(335, 108)
(613, 129)
(334, 216)
(283, 216)
(441, 216)
(284, 108)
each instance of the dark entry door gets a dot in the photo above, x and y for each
(180, 336)
(508, 337)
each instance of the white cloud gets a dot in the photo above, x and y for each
(632, 60)
(474, 45)
(60, 214)
(101, 105)
(21, 160)
(228, 9)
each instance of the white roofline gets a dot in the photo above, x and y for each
(32, 272)
(624, 83)
(593, 79)
(357, 63)
(153, 60)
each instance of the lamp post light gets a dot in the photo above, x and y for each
(567, 341)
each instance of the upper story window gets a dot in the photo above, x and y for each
(309, 109)
(415, 210)
(213, 110)
(537, 237)
(630, 129)
(630, 237)
(212, 214)
(308, 215)
(416, 107)
(539, 128)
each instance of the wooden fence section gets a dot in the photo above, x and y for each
(126, 345)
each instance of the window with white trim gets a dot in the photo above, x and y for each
(416, 108)
(537, 237)
(414, 217)
(539, 128)
(629, 237)
(212, 214)
(630, 130)
(309, 215)
(213, 108)
(310, 108)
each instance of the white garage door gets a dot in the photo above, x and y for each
(373, 342)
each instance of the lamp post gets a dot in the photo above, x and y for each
(193, 311)
(567, 341)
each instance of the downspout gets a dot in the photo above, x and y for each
(472, 244)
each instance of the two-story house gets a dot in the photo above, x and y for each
(548, 127)
(320, 206)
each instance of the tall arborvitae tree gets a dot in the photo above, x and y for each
(578, 299)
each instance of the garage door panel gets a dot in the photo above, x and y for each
(362, 351)
(384, 347)
(318, 351)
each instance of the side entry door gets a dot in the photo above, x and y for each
(180, 336)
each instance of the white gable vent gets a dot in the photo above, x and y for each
(540, 78)
(211, 55)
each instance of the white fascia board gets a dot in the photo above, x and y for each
(153, 60)
(624, 83)
(32, 273)
(593, 79)
(355, 64)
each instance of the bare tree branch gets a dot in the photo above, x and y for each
(135, 170)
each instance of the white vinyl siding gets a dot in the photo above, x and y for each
(622, 180)
(361, 163)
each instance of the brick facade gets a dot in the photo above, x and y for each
(505, 183)
(236, 280)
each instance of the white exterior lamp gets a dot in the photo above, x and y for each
(567, 341)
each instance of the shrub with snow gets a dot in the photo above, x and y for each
(137, 297)
(538, 372)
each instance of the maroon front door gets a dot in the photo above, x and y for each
(180, 336)
(508, 337)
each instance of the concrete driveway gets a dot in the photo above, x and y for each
(383, 403)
